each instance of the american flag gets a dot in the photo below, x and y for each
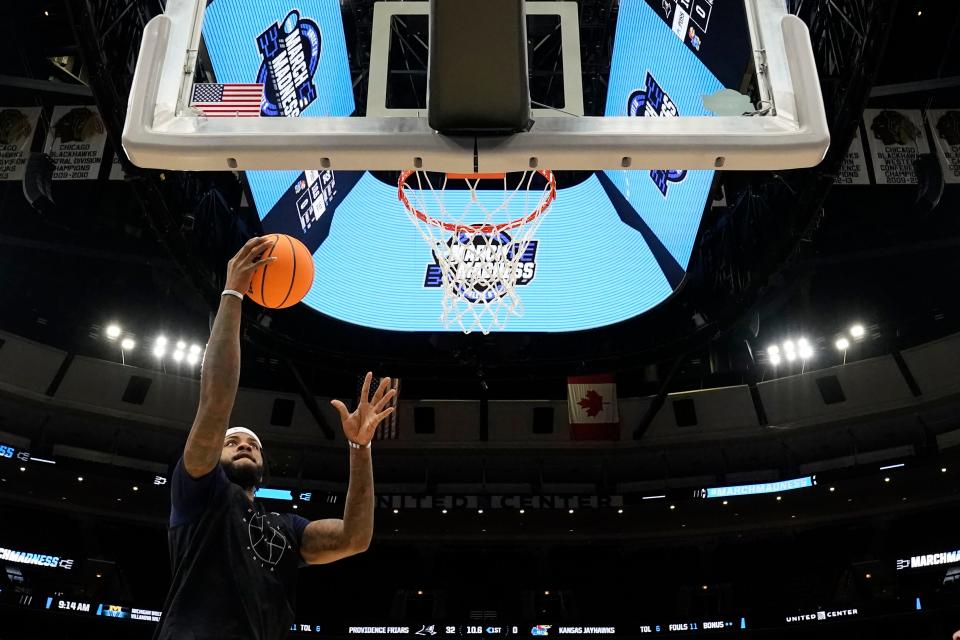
(227, 100)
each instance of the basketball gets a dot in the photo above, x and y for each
(286, 281)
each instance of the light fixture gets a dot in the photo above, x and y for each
(842, 344)
(857, 331)
(571, 511)
(789, 346)
(444, 511)
(79, 478)
(294, 506)
(396, 510)
(672, 507)
(159, 350)
(177, 355)
(195, 348)
(804, 350)
(832, 489)
(136, 488)
(181, 345)
(705, 587)
(791, 356)
(127, 344)
(773, 350)
(774, 359)
(522, 511)
(23, 468)
(868, 576)
(479, 510)
(779, 498)
(161, 341)
(619, 510)
(193, 358)
(887, 479)
(113, 331)
(419, 593)
(919, 13)
(99, 575)
(546, 593)
(725, 502)
(943, 469)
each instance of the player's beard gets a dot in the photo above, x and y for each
(244, 475)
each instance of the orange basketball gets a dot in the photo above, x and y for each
(286, 281)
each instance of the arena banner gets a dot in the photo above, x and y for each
(17, 127)
(75, 142)
(592, 407)
(895, 138)
(945, 124)
(853, 171)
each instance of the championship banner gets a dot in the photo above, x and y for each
(945, 124)
(17, 126)
(854, 168)
(116, 169)
(895, 137)
(75, 142)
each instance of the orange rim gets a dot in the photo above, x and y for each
(478, 228)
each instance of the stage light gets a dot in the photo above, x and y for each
(480, 511)
(857, 331)
(136, 488)
(842, 344)
(522, 511)
(177, 355)
(779, 498)
(159, 350)
(774, 359)
(113, 331)
(195, 348)
(773, 350)
(23, 468)
(887, 479)
(619, 510)
(805, 352)
(419, 593)
(725, 502)
(294, 506)
(79, 478)
(571, 511)
(181, 345)
(444, 511)
(396, 510)
(193, 359)
(127, 344)
(832, 489)
(943, 469)
(161, 341)
(672, 507)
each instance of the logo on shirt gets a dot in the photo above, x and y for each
(266, 540)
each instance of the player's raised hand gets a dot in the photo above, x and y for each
(360, 425)
(241, 266)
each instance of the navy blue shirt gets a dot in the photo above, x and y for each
(234, 564)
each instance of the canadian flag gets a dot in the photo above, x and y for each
(592, 406)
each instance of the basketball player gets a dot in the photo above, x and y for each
(234, 562)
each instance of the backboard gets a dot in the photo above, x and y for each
(349, 60)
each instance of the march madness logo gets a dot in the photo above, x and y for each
(482, 262)
(291, 52)
(653, 102)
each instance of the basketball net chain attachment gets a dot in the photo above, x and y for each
(480, 239)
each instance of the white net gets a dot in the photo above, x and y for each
(480, 229)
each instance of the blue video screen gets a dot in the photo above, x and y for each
(610, 248)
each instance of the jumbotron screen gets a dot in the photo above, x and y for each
(611, 247)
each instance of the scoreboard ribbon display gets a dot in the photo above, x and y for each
(621, 240)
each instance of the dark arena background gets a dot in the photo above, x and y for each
(785, 457)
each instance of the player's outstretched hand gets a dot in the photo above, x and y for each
(360, 425)
(241, 266)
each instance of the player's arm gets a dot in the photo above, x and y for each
(220, 373)
(326, 541)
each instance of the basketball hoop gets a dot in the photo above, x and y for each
(481, 239)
